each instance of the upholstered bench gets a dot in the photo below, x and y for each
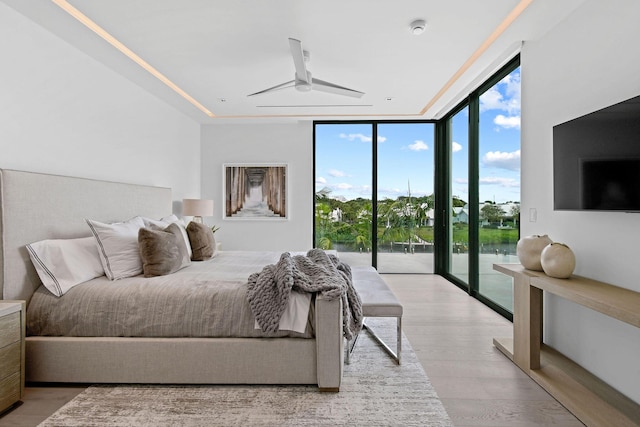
(377, 301)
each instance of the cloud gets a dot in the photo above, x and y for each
(354, 136)
(504, 95)
(365, 190)
(337, 173)
(361, 137)
(455, 147)
(492, 100)
(502, 160)
(511, 122)
(391, 192)
(343, 186)
(501, 181)
(321, 180)
(418, 145)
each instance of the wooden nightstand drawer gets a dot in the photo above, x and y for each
(12, 346)
(10, 360)
(9, 328)
(9, 391)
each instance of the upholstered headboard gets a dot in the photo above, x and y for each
(35, 206)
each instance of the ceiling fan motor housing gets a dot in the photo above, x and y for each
(304, 86)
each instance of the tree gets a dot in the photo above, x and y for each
(515, 213)
(323, 193)
(492, 213)
(326, 243)
(457, 202)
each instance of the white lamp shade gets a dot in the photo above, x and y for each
(197, 207)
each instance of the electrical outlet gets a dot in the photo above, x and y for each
(533, 215)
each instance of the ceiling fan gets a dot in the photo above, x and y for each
(303, 80)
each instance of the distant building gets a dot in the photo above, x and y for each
(461, 215)
(336, 215)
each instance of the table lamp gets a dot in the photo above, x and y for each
(197, 208)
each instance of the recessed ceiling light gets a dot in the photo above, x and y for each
(389, 98)
(417, 27)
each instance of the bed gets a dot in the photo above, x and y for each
(35, 206)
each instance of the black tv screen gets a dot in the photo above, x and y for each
(596, 160)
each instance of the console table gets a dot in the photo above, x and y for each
(590, 399)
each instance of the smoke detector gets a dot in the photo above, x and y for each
(417, 27)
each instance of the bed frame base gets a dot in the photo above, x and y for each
(194, 360)
(171, 360)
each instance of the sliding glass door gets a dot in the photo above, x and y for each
(405, 198)
(499, 185)
(459, 201)
(374, 202)
(482, 140)
(343, 190)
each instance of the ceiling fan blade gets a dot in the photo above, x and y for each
(323, 86)
(281, 86)
(298, 60)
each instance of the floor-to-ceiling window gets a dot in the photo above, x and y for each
(499, 185)
(482, 141)
(459, 184)
(343, 190)
(374, 203)
(405, 197)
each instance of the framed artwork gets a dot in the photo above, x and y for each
(255, 192)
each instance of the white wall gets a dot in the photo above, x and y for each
(61, 112)
(262, 143)
(588, 62)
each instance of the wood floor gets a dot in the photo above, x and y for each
(451, 334)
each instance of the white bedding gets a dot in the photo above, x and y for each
(295, 315)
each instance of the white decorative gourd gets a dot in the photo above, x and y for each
(529, 249)
(558, 260)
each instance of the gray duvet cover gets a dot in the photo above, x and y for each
(206, 299)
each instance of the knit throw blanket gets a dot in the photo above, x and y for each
(319, 272)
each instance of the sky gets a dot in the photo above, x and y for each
(406, 153)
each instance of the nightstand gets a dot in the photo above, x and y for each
(12, 333)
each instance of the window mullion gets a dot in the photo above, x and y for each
(374, 196)
(474, 193)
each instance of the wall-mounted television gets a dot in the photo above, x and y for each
(596, 160)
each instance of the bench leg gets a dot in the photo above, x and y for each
(395, 356)
(349, 349)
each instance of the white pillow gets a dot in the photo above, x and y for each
(62, 264)
(174, 219)
(118, 247)
(171, 219)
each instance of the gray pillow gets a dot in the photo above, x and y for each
(203, 244)
(162, 251)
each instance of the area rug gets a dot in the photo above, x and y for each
(375, 392)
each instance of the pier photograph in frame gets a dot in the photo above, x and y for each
(255, 191)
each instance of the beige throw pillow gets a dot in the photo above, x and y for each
(203, 244)
(162, 251)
